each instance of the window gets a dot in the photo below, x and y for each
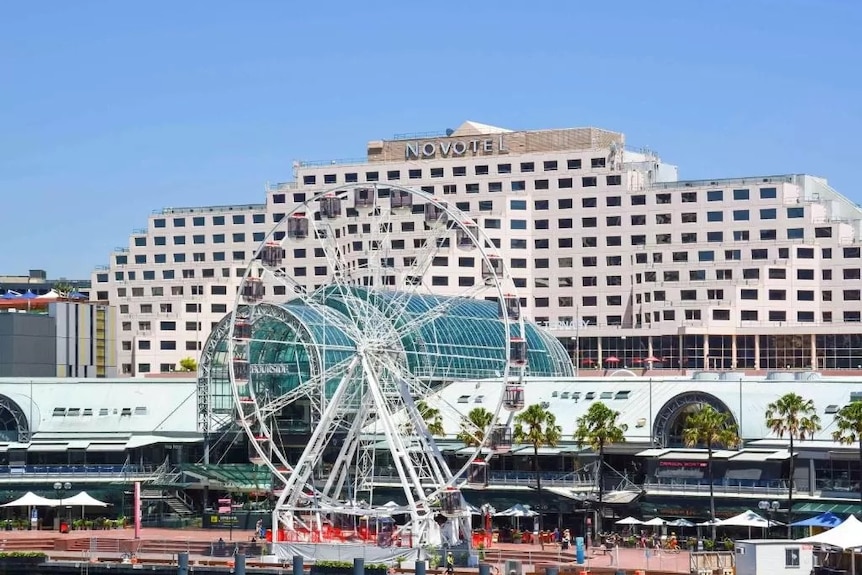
(795, 213)
(597, 162)
(715, 196)
(740, 215)
(768, 193)
(589, 181)
(714, 216)
(740, 194)
(767, 214)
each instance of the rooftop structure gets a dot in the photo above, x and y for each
(608, 250)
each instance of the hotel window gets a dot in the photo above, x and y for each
(689, 238)
(504, 168)
(767, 214)
(614, 180)
(768, 193)
(472, 188)
(159, 223)
(564, 223)
(588, 241)
(852, 316)
(795, 233)
(481, 170)
(589, 261)
(541, 184)
(372, 176)
(613, 201)
(519, 186)
(740, 215)
(565, 243)
(638, 200)
(589, 182)
(218, 238)
(740, 194)
(697, 275)
(198, 221)
(258, 219)
(449, 189)
(715, 216)
(706, 256)
(518, 224)
(748, 294)
(805, 295)
(748, 315)
(351, 177)
(528, 167)
(663, 219)
(492, 224)
(573, 164)
(804, 274)
(614, 280)
(564, 203)
(689, 197)
(777, 295)
(715, 196)
(640, 240)
(671, 276)
(218, 220)
(795, 213)
(589, 202)
(309, 180)
(597, 162)
(777, 273)
(662, 199)
(459, 171)
(541, 244)
(751, 273)
(486, 205)
(768, 234)
(393, 175)
(550, 165)
(613, 241)
(239, 237)
(851, 274)
(563, 183)
(613, 221)
(715, 236)
(331, 178)
(589, 222)
(777, 315)
(278, 198)
(740, 235)
(759, 254)
(721, 314)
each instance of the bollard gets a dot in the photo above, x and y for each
(420, 568)
(580, 551)
(239, 564)
(298, 568)
(183, 563)
(484, 569)
(358, 566)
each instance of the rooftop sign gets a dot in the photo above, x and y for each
(448, 148)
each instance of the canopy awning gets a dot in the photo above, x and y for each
(84, 499)
(30, 499)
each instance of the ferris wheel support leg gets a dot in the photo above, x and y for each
(441, 471)
(337, 477)
(410, 482)
(303, 470)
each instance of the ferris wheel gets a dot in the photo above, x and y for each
(343, 335)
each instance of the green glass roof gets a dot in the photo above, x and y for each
(836, 508)
(232, 476)
(440, 338)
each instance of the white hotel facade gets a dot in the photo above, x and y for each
(606, 248)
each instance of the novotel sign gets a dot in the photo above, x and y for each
(454, 148)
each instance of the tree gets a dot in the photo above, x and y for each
(473, 428)
(188, 364)
(598, 428)
(538, 427)
(432, 418)
(848, 420)
(711, 428)
(63, 288)
(792, 416)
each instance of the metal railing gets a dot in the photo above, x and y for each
(51, 472)
(724, 486)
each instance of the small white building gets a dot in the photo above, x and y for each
(774, 557)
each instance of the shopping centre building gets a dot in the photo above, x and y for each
(606, 248)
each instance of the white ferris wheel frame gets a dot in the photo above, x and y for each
(299, 490)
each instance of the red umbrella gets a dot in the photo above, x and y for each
(651, 359)
(612, 359)
(588, 361)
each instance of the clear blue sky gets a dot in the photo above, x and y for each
(109, 110)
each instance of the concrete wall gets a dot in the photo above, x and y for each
(27, 346)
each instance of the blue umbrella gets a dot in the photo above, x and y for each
(11, 295)
(29, 295)
(77, 295)
(823, 520)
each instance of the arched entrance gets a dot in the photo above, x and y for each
(13, 423)
(669, 423)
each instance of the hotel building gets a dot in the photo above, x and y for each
(627, 265)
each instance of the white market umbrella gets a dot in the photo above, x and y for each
(655, 522)
(30, 499)
(51, 295)
(83, 499)
(681, 523)
(848, 535)
(517, 511)
(629, 521)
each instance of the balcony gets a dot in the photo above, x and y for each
(736, 487)
(77, 473)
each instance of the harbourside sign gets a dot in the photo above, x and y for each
(455, 149)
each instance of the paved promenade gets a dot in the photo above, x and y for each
(164, 544)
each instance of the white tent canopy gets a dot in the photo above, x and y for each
(83, 499)
(516, 510)
(681, 523)
(30, 499)
(748, 519)
(655, 521)
(848, 535)
(629, 521)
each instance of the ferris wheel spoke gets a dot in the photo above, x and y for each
(305, 389)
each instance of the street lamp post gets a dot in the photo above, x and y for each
(770, 507)
(62, 488)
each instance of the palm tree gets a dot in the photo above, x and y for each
(432, 418)
(538, 427)
(795, 417)
(473, 428)
(849, 423)
(712, 428)
(598, 428)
